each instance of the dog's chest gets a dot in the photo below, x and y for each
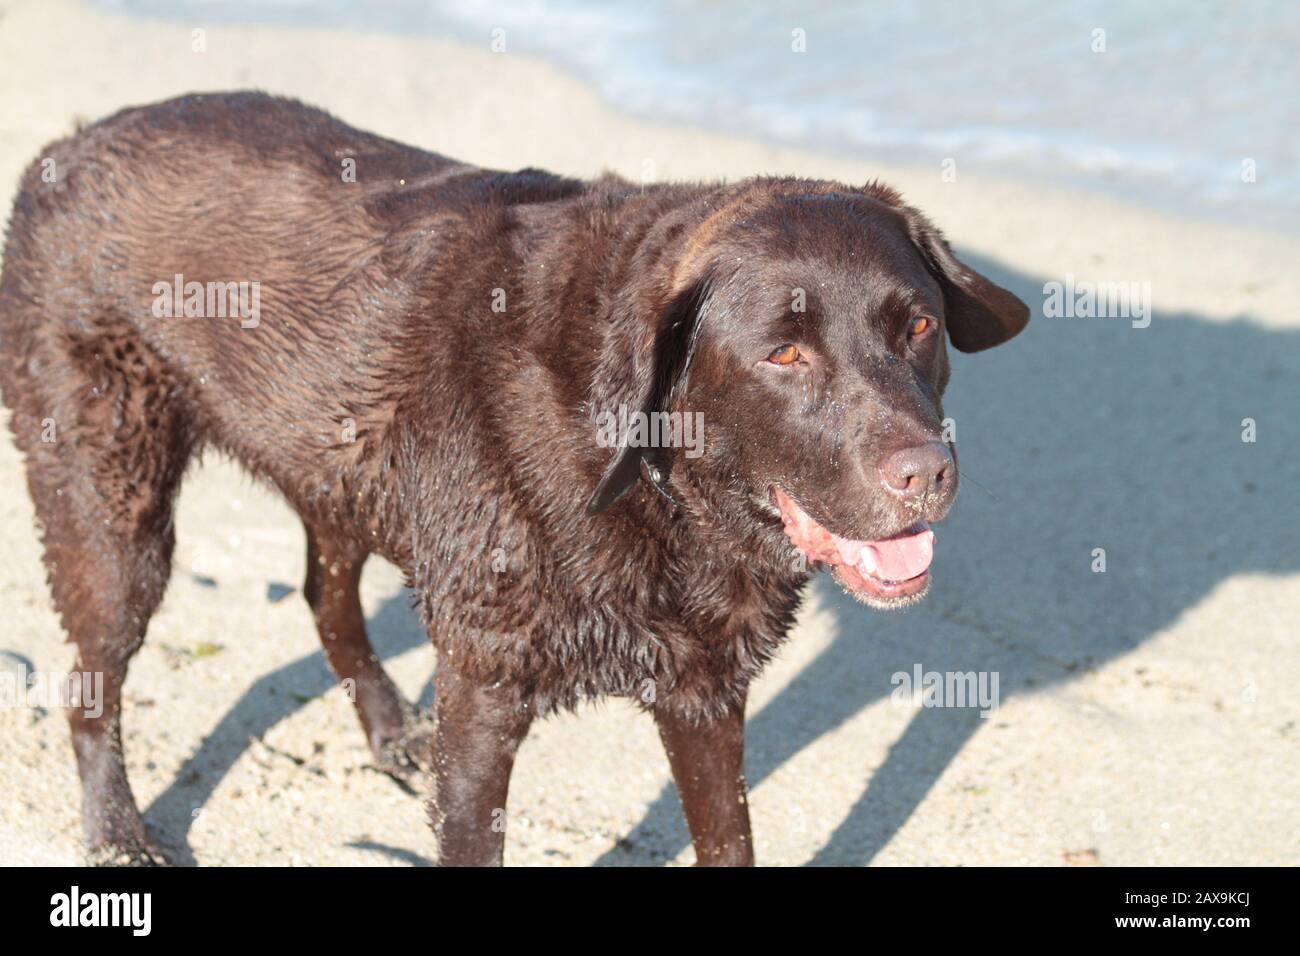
(694, 640)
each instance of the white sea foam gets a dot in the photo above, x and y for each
(1181, 97)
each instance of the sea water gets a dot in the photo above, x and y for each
(1183, 105)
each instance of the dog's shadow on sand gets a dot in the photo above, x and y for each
(1083, 433)
(393, 630)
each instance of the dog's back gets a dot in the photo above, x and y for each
(142, 247)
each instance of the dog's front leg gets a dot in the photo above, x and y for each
(479, 729)
(707, 760)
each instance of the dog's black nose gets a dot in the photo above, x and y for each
(926, 469)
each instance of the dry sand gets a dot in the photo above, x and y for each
(1148, 714)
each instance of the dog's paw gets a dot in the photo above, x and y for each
(409, 756)
(126, 853)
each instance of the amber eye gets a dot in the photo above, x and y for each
(919, 326)
(785, 355)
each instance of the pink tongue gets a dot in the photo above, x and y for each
(896, 559)
(900, 558)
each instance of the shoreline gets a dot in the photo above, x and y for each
(1039, 157)
(984, 214)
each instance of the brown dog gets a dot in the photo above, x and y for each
(587, 420)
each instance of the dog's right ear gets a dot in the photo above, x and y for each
(645, 366)
(979, 313)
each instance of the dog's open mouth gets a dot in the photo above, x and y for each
(887, 573)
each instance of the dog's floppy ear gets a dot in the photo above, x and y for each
(979, 313)
(648, 381)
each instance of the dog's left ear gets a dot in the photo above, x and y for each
(646, 374)
(979, 313)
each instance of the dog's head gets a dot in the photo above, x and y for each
(803, 325)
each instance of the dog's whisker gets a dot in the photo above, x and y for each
(967, 477)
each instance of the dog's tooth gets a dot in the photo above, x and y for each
(867, 559)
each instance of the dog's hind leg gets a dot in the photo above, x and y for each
(334, 565)
(107, 438)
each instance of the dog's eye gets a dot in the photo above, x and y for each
(920, 326)
(785, 355)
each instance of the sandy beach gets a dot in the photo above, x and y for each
(1148, 714)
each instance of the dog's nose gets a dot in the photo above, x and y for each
(920, 470)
